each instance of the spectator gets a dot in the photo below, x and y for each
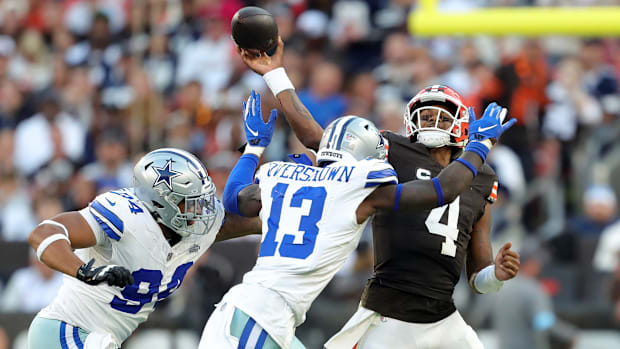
(395, 73)
(600, 207)
(112, 170)
(213, 50)
(570, 105)
(523, 314)
(58, 135)
(323, 98)
(160, 63)
(600, 77)
(30, 289)
(13, 105)
(16, 215)
(606, 255)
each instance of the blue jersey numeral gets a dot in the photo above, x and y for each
(132, 293)
(307, 224)
(133, 207)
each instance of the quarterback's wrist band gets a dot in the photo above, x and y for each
(48, 241)
(439, 191)
(399, 190)
(479, 148)
(485, 280)
(278, 81)
(468, 165)
(254, 150)
(239, 178)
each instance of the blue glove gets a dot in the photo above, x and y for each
(257, 132)
(490, 126)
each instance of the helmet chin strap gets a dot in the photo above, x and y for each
(433, 139)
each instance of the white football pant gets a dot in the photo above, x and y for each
(369, 330)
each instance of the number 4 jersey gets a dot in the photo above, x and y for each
(309, 228)
(127, 235)
(419, 255)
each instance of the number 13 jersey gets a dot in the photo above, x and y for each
(419, 254)
(309, 229)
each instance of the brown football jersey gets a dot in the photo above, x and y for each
(419, 255)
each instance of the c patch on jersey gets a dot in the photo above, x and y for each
(109, 222)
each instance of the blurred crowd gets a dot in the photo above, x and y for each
(87, 87)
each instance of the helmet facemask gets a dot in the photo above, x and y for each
(195, 213)
(437, 117)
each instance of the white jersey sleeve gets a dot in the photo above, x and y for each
(377, 172)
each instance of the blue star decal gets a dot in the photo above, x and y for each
(165, 174)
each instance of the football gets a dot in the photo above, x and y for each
(254, 28)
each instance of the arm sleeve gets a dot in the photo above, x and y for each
(240, 177)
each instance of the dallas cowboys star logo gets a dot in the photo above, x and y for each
(165, 174)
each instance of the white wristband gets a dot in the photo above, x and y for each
(487, 143)
(485, 280)
(48, 241)
(252, 149)
(278, 81)
(59, 225)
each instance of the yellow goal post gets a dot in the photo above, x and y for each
(593, 21)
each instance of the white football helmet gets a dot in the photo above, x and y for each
(434, 136)
(176, 188)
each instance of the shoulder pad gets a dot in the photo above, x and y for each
(115, 210)
(377, 172)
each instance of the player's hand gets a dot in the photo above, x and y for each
(491, 125)
(257, 132)
(506, 263)
(114, 275)
(260, 62)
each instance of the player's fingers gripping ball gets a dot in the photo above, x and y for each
(257, 132)
(255, 29)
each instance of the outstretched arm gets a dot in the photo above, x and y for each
(452, 180)
(241, 197)
(271, 68)
(423, 194)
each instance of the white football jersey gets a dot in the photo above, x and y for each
(127, 235)
(309, 229)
